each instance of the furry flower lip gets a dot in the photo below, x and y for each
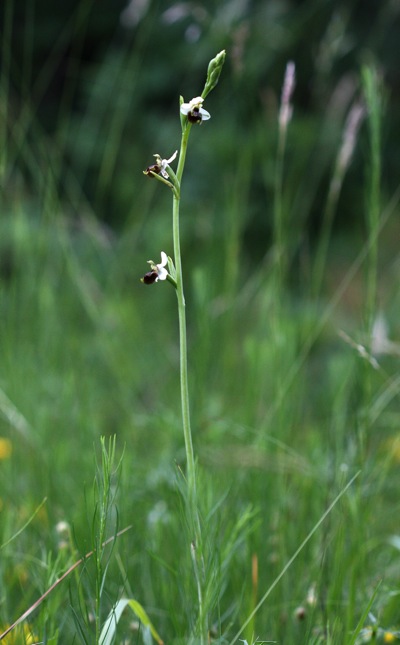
(160, 167)
(194, 110)
(158, 271)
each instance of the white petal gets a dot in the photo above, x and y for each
(164, 260)
(205, 115)
(185, 107)
(168, 161)
(162, 274)
(164, 163)
(196, 102)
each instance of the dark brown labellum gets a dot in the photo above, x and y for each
(154, 168)
(150, 277)
(194, 116)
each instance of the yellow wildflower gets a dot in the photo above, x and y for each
(5, 448)
(393, 446)
(20, 635)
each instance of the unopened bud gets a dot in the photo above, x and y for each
(213, 72)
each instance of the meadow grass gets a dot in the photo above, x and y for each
(285, 411)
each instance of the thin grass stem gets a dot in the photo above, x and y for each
(294, 557)
(55, 584)
(280, 217)
(343, 160)
(372, 92)
(373, 100)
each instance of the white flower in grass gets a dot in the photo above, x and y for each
(194, 110)
(158, 271)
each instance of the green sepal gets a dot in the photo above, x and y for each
(184, 120)
(171, 271)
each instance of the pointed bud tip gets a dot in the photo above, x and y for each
(213, 72)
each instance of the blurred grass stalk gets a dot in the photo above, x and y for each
(343, 160)
(373, 93)
(373, 97)
(5, 86)
(105, 493)
(280, 216)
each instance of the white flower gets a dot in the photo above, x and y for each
(160, 167)
(160, 268)
(62, 527)
(158, 271)
(163, 163)
(194, 110)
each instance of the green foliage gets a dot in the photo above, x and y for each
(109, 629)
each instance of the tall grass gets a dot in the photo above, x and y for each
(285, 411)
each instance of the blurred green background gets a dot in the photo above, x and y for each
(102, 80)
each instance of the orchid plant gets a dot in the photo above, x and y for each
(191, 113)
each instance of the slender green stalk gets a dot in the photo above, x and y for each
(193, 507)
(196, 547)
(190, 461)
(189, 113)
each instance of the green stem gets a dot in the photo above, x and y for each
(190, 464)
(190, 460)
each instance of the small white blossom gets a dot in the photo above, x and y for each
(160, 268)
(164, 163)
(62, 527)
(160, 167)
(194, 110)
(158, 271)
